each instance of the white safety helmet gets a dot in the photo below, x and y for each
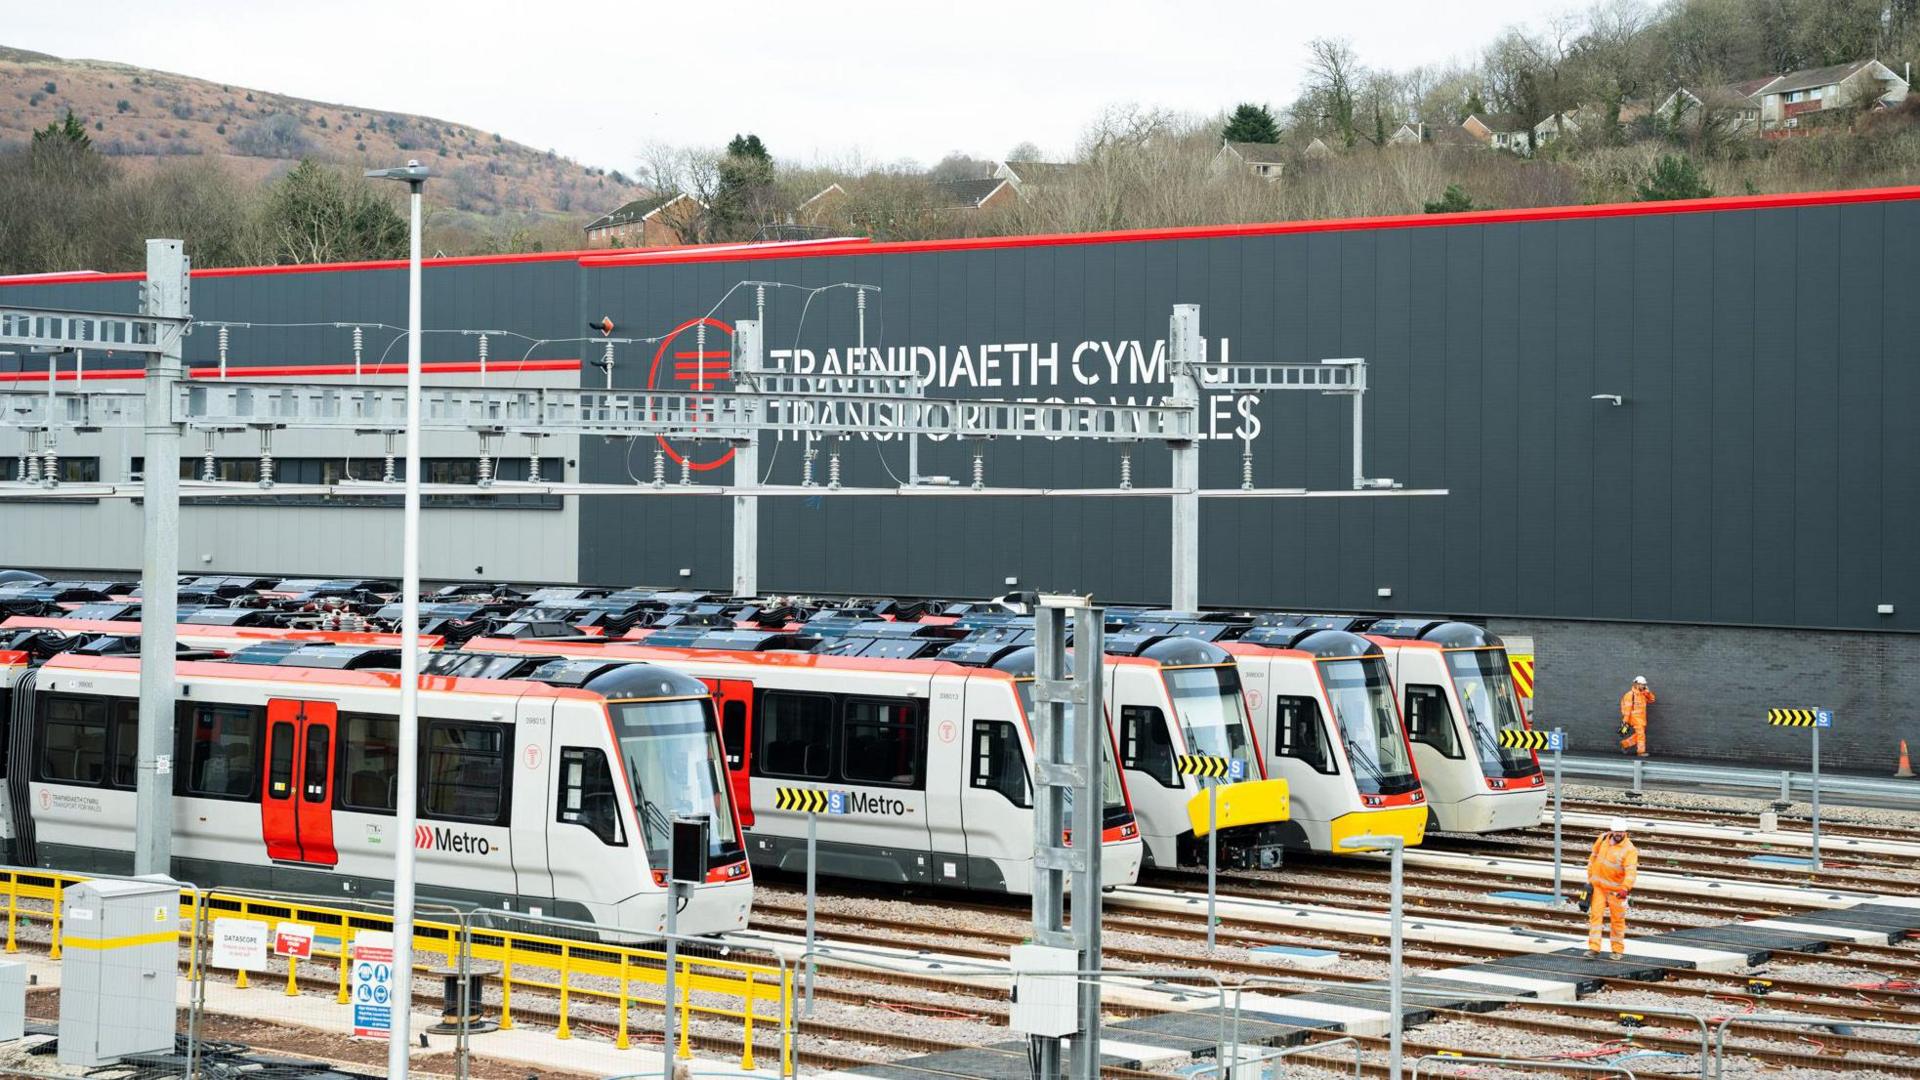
(1640, 680)
(1618, 824)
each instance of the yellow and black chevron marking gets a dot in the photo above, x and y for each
(805, 800)
(1521, 665)
(1516, 739)
(1202, 765)
(1792, 717)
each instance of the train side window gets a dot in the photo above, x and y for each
(587, 795)
(733, 732)
(465, 771)
(222, 752)
(882, 743)
(126, 742)
(795, 735)
(1299, 734)
(73, 741)
(998, 764)
(1146, 745)
(369, 763)
(1430, 720)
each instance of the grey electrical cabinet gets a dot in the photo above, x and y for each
(13, 999)
(118, 970)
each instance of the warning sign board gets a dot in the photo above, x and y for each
(293, 939)
(373, 985)
(239, 945)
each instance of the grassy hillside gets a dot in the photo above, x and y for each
(141, 117)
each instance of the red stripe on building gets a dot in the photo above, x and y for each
(304, 371)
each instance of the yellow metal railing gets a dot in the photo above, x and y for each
(562, 966)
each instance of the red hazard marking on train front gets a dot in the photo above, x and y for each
(422, 836)
(695, 370)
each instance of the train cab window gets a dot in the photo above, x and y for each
(796, 735)
(733, 732)
(73, 741)
(369, 763)
(1146, 745)
(587, 796)
(882, 743)
(1298, 733)
(465, 766)
(1429, 720)
(222, 752)
(998, 764)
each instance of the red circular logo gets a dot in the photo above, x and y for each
(681, 363)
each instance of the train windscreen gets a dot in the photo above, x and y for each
(1116, 804)
(1362, 702)
(1212, 713)
(672, 755)
(1487, 697)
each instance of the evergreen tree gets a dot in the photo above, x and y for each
(1454, 201)
(71, 131)
(743, 193)
(317, 215)
(1251, 124)
(1674, 176)
(1475, 105)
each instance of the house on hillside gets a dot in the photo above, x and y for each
(1863, 84)
(1738, 103)
(985, 194)
(1500, 131)
(1409, 134)
(822, 206)
(1035, 174)
(655, 221)
(1560, 125)
(1265, 160)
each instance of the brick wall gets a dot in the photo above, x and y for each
(1714, 685)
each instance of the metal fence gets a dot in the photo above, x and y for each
(562, 997)
(567, 998)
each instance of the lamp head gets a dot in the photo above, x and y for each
(412, 173)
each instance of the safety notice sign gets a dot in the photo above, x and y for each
(293, 939)
(372, 984)
(239, 945)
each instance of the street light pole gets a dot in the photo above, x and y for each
(1395, 846)
(406, 796)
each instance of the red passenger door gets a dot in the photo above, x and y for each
(296, 800)
(733, 700)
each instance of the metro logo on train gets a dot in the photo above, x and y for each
(437, 838)
(815, 801)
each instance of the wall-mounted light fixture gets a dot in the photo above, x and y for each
(1612, 399)
(1886, 609)
(1383, 592)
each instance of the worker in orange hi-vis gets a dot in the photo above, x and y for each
(1633, 716)
(1611, 871)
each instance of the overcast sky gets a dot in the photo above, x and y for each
(828, 81)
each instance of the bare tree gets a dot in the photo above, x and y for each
(1333, 77)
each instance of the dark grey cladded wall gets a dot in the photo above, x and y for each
(1713, 685)
(1756, 474)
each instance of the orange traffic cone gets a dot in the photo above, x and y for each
(1906, 764)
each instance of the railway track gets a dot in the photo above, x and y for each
(1656, 856)
(1746, 990)
(1773, 1048)
(1732, 819)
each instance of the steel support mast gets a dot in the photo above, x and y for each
(165, 295)
(746, 468)
(1069, 744)
(1185, 351)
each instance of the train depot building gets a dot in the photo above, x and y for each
(1673, 438)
